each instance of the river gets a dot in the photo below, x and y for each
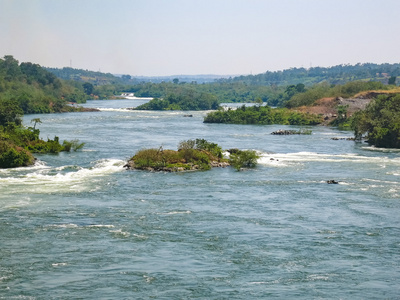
(79, 226)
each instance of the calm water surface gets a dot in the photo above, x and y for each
(79, 226)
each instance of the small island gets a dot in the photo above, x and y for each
(183, 100)
(191, 155)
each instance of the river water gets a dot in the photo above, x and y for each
(79, 226)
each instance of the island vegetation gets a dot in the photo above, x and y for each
(262, 115)
(186, 100)
(243, 158)
(191, 155)
(380, 121)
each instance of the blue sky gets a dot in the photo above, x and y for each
(174, 37)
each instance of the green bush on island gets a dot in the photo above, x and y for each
(262, 115)
(243, 158)
(196, 154)
(202, 144)
(12, 156)
(184, 100)
(75, 145)
(380, 121)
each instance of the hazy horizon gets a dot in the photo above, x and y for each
(187, 37)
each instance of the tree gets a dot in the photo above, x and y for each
(35, 120)
(392, 80)
(10, 112)
(88, 88)
(381, 121)
(11, 65)
(243, 158)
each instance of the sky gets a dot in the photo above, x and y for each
(189, 37)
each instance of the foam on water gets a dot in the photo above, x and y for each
(284, 159)
(376, 149)
(115, 109)
(176, 212)
(42, 178)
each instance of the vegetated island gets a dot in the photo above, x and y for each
(184, 100)
(262, 115)
(373, 115)
(191, 155)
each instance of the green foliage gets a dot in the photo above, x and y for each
(88, 88)
(75, 145)
(261, 115)
(273, 88)
(189, 144)
(191, 153)
(380, 121)
(10, 112)
(34, 89)
(36, 121)
(184, 100)
(17, 143)
(342, 120)
(202, 144)
(243, 159)
(324, 90)
(12, 156)
(80, 75)
(392, 80)
(339, 74)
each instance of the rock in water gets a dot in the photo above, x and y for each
(332, 181)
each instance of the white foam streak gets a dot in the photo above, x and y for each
(376, 149)
(115, 109)
(65, 178)
(176, 212)
(285, 159)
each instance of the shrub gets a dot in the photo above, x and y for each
(381, 121)
(12, 156)
(262, 115)
(192, 154)
(74, 145)
(202, 144)
(243, 159)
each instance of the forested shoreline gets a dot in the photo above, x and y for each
(27, 88)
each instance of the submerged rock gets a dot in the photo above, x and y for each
(291, 132)
(332, 181)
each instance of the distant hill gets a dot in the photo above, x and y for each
(95, 78)
(339, 74)
(99, 78)
(182, 78)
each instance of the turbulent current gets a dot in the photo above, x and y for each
(79, 226)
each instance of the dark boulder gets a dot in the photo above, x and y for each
(332, 181)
